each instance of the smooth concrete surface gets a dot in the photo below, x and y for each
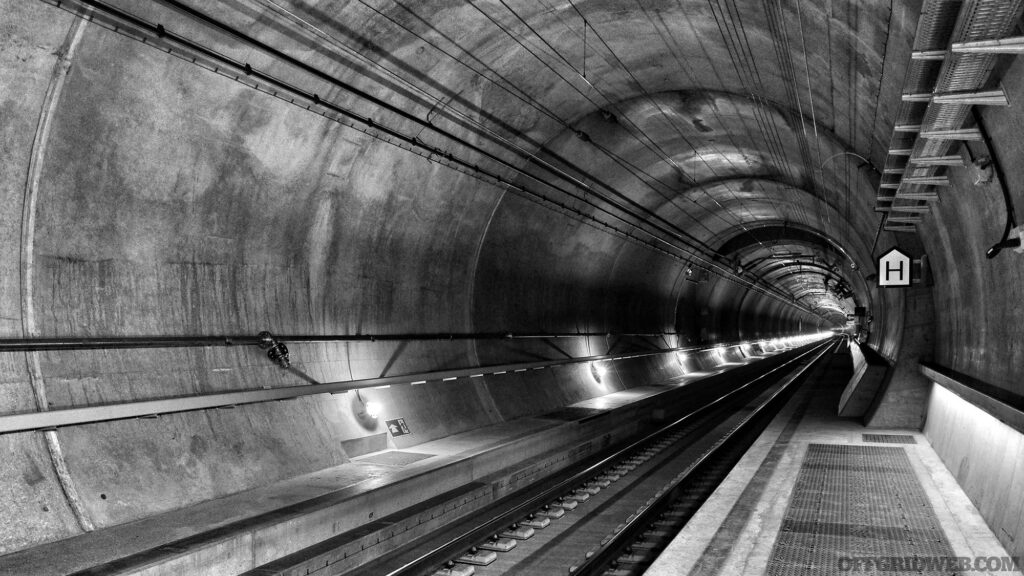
(147, 196)
(358, 492)
(744, 549)
(869, 372)
(986, 457)
(243, 531)
(979, 323)
(902, 400)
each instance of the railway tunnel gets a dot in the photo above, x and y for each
(377, 287)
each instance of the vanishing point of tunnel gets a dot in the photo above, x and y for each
(373, 286)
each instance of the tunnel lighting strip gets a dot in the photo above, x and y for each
(140, 30)
(1003, 406)
(52, 419)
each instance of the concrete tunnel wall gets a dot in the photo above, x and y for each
(147, 196)
(166, 200)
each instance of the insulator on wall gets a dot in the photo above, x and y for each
(276, 350)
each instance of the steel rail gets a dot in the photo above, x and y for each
(597, 559)
(466, 537)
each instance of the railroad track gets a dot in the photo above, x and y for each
(615, 513)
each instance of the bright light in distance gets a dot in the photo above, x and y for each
(801, 340)
(373, 409)
(601, 370)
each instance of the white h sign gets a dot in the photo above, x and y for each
(894, 269)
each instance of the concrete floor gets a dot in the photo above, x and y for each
(735, 531)
(252, 527)
(696, 171)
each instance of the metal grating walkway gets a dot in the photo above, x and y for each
(889, 438)
(855, 501)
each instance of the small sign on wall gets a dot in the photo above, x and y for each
(397, 427)
(894, 269)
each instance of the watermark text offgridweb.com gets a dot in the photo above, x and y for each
(930, 563)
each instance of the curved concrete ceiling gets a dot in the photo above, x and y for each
(537, 166)
(630, 175)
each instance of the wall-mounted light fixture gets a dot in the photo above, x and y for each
(367, 409)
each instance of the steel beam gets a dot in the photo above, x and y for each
(920, 209)
(929, 196)
(959, 134)
(975, 97)
(927, 180)
(955, 160)
(1012, 45)
(928, 55)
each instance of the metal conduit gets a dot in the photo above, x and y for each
(51, 419)
(128, 342)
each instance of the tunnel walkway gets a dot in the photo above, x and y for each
(819, 494)
(375, 501)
